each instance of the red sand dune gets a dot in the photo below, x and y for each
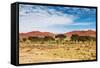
(82, 33)
(69, 34)
(36, 33)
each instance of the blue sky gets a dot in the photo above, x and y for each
(56, 19)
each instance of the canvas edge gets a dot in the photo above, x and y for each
(14, 42)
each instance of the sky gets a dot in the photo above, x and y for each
(55, 19)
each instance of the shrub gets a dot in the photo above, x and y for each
(33, 38)
(24, 39)
(74, 37)
(60, 36)
(48, 38)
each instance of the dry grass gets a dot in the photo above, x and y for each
(37, 53)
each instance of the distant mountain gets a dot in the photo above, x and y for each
(69, 34)
(36, 34)
(82, 33)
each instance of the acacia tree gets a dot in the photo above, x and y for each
(24, 39)
(83, 38)
(33, 39)
(48, 38)
(74, 37)
(60, 37)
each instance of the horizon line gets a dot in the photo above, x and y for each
(59, 32)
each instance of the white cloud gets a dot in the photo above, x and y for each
(44, 15)
(41, 17)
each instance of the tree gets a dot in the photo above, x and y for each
(60, 37)
(24, 39)
(33, 39)
(86, 38)
(83, 38)
(74, 37)
(93, 38)
(48, 38)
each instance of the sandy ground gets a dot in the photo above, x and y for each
(37, 53)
